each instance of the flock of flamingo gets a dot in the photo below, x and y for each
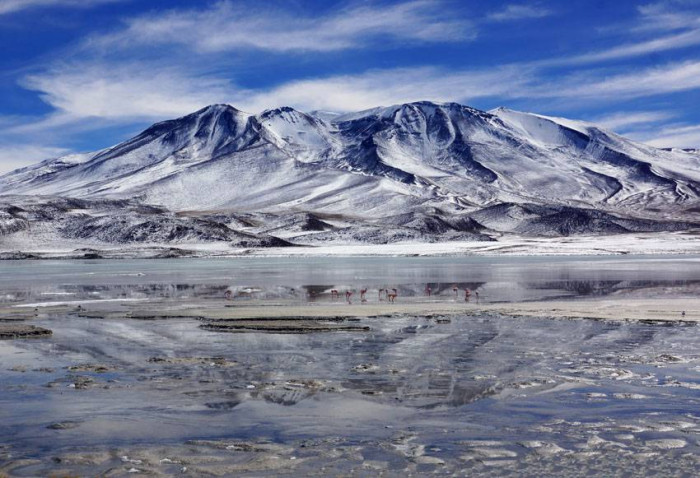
(384, 294)
(391, 294)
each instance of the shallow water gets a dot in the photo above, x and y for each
(485, 395)
(497, 279)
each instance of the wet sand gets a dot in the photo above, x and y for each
(280, 316)
(662, 309)
(19, 331)
(623, 309)
(668, 309)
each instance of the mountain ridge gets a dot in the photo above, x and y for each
(465, 156)
(419, 171)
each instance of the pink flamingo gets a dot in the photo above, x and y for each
(334, 293)
(362, 295)
(392, 296)
(467, 293)
(454, 289)
(348, 295)
(428, 290)
(380, 294)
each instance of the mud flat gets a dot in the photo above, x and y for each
(673, 310)
(21, 331)
(289, 326)
(16, 314)
(662, 310)
(285, 313)
(268, 314)
(291, 310)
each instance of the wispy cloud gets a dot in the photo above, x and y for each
(13, 156)
(125, 91)
(519, 12)
(629, 50)
(623, 120)
(663, 79)
(385, 87)
(226, 26)
(658, 27)
(142, 91)
(12, 6)
(675, 136)
(136, 92)
(668, 15)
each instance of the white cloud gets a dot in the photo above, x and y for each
(668, 16)
(623, 120)
(519, 12)
(122, 93)
(128, 92)
(675, 25)
(686, 136)
(226, 26)
(125, 92)
(13, 156)
(385, 87)
(670, 78)
(666, 43)
(12, 6)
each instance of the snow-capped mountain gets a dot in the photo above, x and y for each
(379, 162)
(418, 171)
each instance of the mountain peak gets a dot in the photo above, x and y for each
(282, 111)
(216, 112)
(218, 108)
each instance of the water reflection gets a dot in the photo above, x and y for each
(503, 375)
(496, 291)
(446, 383)
(504, 279)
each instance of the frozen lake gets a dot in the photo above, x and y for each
(473, 395)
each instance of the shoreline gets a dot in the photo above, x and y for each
(617, 310)
(679, 310)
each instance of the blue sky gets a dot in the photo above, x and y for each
(80, 75)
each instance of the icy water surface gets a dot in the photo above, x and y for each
(465, 395)
(497, 279)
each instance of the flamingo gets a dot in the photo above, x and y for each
(334, 293)
(454, 289)
(428, 290)
(348, 295)
(392, 296)
(467, 293)
(380, 294)
(362, 294)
